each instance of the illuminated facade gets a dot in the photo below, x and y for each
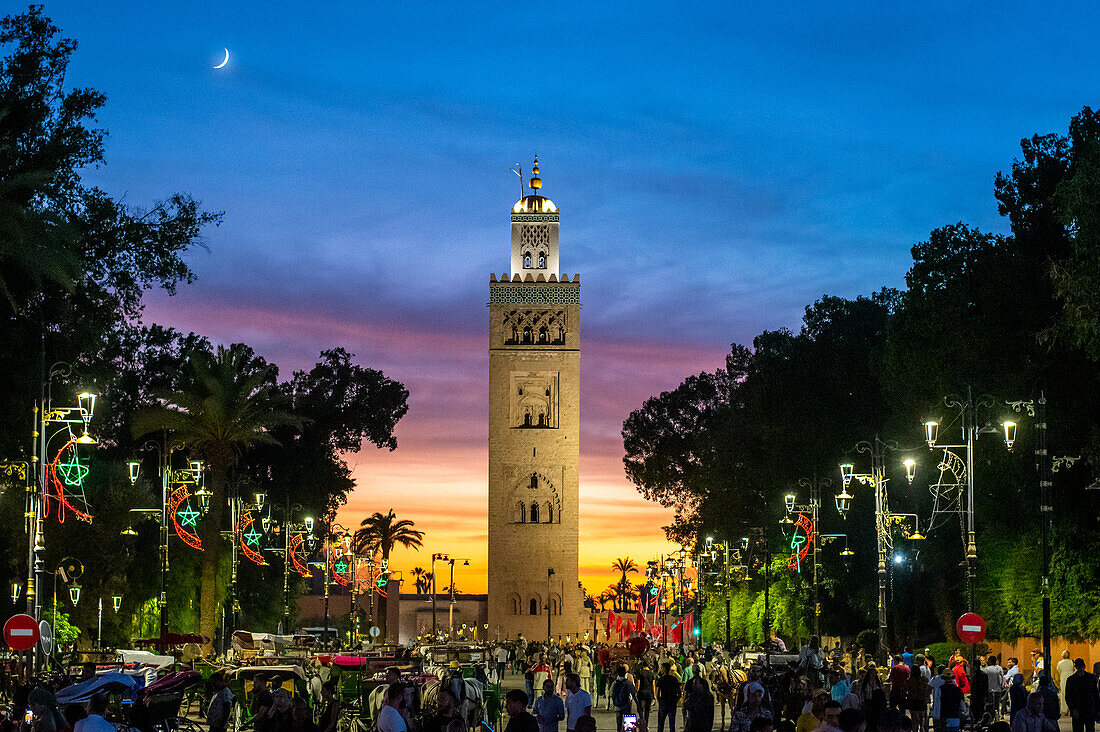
(534, 433)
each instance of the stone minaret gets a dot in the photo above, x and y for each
(534, 433)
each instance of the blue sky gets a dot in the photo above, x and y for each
(718, 167)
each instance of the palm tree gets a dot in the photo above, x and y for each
(624, 565)
(226, 404)
(379, 534)
(418, 576)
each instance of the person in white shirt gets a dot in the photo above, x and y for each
(94, 722)
(577, 704)
(391, 718)
(502, 659)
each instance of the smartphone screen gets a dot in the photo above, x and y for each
(28, 717)
(630, 722)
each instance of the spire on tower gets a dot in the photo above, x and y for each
(536, 181)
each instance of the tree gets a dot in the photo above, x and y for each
(418, 577)
(228, 404)
(622, 565)
(378, 535)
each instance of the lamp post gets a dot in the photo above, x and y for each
(884, 519)
(450, 614)
(47, 414)
(814, 509)
(289, 529)
(192, 474)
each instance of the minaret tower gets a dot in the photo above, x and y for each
(534, 433)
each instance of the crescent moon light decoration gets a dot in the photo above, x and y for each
(179, 498)
(225, 60)
(295, 544)
(252, 537)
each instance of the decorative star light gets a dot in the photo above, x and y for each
(341, 566)
(73, 472)
(188, 516)
(252, 536)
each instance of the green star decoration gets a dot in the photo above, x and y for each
(73, 472)
(188, 516)
(341, 567)
(253, 536)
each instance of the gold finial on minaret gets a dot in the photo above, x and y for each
(536, 181)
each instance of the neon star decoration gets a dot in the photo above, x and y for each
(253, 537)
(188, 516)
(179, 498)
(72, 473)
(244, 523)
(337, 573)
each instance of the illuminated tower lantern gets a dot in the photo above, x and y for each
(534, 432)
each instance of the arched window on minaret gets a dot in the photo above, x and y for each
(515, 333)
(515, 606)
(561, 334)
(527, 260)
(542, 260)
(526, 419)
(542, 419)
(528, 334)
(522, 513)
(534, 513)
(549, 512)
(544, 334)
(534, 482)
(534, 605)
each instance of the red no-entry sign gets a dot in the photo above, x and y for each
(21, 632)
(970, 628)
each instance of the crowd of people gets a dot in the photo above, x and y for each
(822, 691)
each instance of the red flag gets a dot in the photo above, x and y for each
(657, 632)
(639, 623)
(674, 633)
(610, 622)
(629, 627)
(619, 624)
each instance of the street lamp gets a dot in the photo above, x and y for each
(814, 509)
(877, 481)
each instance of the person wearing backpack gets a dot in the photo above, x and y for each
(623, 695)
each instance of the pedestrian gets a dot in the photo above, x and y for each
(584, 670)
(301, 720)
(699, 706)
(1062, 671)
(952, 705)
(872, 697)
(261, 702)
(624, 695)
(330, 707)
(1012, 668)
(1017, 696)
(752, 710)
(96, 709)
(220, 705)
(830, 721)
(917, 696)
(1081, 698)
(502, 659)
(446, 711)
(961, 680)
(391, 717)
(898, 678)
(645, 680)
(810, 719)
(519, 719)
(1051, 706)
(577, 704)
(1032, 717)
(668, 696)
(549, 709)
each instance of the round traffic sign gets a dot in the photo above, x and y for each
(970, 628)
(375, 631)
(46, 637)
(21, 632)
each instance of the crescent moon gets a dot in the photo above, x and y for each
(225, 61)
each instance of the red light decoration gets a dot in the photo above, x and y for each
(59, 489)
(801, 541)
(176, 499)
(243, 524)
(296, 542)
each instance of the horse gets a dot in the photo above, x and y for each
(725, 681)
